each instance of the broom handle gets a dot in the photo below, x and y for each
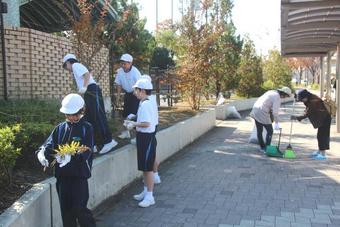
(278, 145)
(291, 123)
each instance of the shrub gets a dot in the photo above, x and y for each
(37, 119)
(30, 138)
(14, 111)
(8, 152)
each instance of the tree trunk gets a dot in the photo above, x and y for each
(218, 89)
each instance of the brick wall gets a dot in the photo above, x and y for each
(34, 65)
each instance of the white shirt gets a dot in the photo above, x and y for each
(78, 71)
(153, 100)
(146, 113)
(268, 101)
(127, 80)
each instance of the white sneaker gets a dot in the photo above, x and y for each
(124, 135)
(95, 150)
(156, 179)
(140, 196)
(262, 150)
(107, 147)
(133, 141)
(147, 201)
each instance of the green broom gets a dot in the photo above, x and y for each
(289, 152)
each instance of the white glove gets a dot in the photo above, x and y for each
(131, 116)
(129, 124)
(277, 126)
(63, 160)
(41, 156)
(82, 90)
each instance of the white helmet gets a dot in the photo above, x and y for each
(68, 57)
(143, 83)
(71, 104)
(286, 90)
(126, 57)
(146, 77)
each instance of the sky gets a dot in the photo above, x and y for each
(259, 19)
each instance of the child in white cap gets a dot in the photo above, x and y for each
(71, 171)
(145, 140)
(95, 111)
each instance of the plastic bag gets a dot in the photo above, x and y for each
(253, 135)
(232, 112)
(220, 100)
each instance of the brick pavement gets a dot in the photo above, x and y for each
(222, 181)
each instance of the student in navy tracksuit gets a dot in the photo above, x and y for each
(95, 111)
(72, 172)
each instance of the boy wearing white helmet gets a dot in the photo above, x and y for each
(71, 171)
(265, 108)
(145, 140)
(127, 76)
(152, 98)
(95, 111)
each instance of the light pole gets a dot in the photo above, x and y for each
(172, 12)
(3, 9)
(156, 15)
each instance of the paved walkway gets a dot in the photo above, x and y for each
(221, 180)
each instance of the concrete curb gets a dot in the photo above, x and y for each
(240, 105)
(40, 206)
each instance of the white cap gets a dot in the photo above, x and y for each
(286, 90)
(143, 84)
(126, 57)
(146, 77)
(71, 104)
(68, 57)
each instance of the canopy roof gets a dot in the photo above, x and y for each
(309, 27)
(55, 15)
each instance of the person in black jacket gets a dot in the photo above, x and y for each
(71, 171)
(320, 118)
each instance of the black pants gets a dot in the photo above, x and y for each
(131, 104)
(259, 129)
(73, 193)
(95, 112)
(324, 133)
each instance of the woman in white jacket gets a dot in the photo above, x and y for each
(265, 111)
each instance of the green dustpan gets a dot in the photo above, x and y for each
(274, 151)
(289, 154)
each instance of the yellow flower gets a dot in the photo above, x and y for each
(70, 149)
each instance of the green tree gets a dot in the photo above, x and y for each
(225, 57)
(276, 70)
(128, 35)
(193, 50)
(166, 36)
(162, 58)
(207, 50)
(249, 72)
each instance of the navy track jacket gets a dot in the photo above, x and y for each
(66, 132)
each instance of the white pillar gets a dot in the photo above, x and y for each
(322, 76)
(12, 17)
(328, 75)
(337, 94)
